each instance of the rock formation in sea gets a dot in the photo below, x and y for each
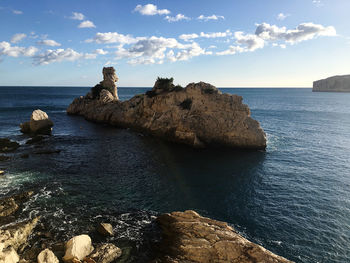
(332, 84)
(188, 237)
(198, 115)
(39, 123)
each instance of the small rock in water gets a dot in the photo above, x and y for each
(47, 256)
(35, 139)
(78, 247)
(2, 172)
(48, 151)
(4, 158)
(39, 123)
(105, 229)
(6, 145)
(105, 253)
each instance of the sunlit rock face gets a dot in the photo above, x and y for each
(189, 237)
(109, 80)
(198, 115)
(333, 84)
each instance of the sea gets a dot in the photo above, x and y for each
(293, 198)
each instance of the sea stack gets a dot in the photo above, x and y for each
(332, 84)
(198, 115)
(39, 123)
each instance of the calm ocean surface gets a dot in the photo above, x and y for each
(293, 199)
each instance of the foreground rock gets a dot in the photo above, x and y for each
(188, 237)
(8, 255)
(105, 253)
(39, 123)
(9, 205)
(105, 229)
(333, 84)
(47, 256)
(78, 247)
(198, 115)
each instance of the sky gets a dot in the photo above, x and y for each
(228, 43)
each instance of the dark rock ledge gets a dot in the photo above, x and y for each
(198, 115)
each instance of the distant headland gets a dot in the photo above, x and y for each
(332, 84)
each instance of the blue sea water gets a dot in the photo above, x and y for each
(293, 198)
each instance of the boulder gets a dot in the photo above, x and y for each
(332, 84)
(39, 123)
(189, 237)
(198, 115)
(2, 172)
(6, 145)
(8, 255)
(47, 256)
(105, 253)
(105, 229)
(15, 235)
(78, 247)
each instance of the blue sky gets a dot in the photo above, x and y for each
(247, 43)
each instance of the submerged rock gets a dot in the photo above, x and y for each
(78, 247)
(332, 84)
(6, 145)
(39, 123)
(47, 256)
(188, 237)
(105, 229)
(105, 253)
(198, 115)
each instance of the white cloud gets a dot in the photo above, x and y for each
(150, 10)
(18, 37)
(17, 12)
(250, 41)
(59, 55)
(77, 16)
(188, 37)
(86, 24)
(48, 42)
(153, 50)
(282, 16)
(302, 32)
(100, 51)
(212, 17)
(212, 47)
(111, 37)
(317, 2)
(231, 51)
(177, 18)
(14, 51)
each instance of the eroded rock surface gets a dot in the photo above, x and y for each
(106, 253)
(333, 84)
(47, 256)
(188, 237)
(198, 115)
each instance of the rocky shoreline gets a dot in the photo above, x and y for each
(185, 237)
(332, 84)
(198, 115)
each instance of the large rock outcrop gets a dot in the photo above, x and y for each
(78, 247)
(333, 84)
(188, 237)
(39, 123)
(198, 115)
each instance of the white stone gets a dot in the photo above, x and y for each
(78, 247)
(8, 255)
(47, 256)
(39, 120)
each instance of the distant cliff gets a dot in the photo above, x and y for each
(333, 84)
